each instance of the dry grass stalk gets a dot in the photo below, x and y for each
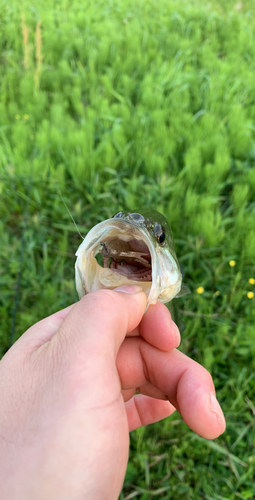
(38, 54)
(26, 48)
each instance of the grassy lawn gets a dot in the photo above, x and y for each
(119, 104)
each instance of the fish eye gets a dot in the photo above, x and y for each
(117, 215)
(159, 233)
(161, 237)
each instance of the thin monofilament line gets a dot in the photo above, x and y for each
(70, 215)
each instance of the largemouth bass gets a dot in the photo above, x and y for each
(134, 248)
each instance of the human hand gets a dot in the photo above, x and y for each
(63, 421)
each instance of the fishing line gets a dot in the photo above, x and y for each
(70, 214)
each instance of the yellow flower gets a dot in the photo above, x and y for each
(200, 290)
(252, 281)
(217, 293)
(17, 117)
(250, 295)
(232, 263)
(26, 117)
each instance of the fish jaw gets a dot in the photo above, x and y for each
(166, 277)
(167, 271)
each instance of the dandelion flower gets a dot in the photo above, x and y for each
(250, 295)
(200, 290)
(17, 117)
(232, 263)
(26, 117)
(252, 281)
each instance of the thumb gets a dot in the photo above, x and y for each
(101, 319)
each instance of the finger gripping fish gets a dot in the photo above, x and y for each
(136, 248)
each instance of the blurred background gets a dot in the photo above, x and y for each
(119, 104)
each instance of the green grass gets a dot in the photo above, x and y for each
(132, 104)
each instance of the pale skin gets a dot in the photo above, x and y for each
(68, 396)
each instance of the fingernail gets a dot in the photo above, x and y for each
(215, 407)
(175, 330)
(132, 289)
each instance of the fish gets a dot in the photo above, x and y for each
(131, 248)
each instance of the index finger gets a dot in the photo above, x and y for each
(158, 329)
(186, 384)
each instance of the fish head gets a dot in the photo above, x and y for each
(136, 248)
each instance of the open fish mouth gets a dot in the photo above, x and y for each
(131, 259)
(128, 249)
(114, 253)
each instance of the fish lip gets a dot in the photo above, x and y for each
(140, 231)
(117, 224)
